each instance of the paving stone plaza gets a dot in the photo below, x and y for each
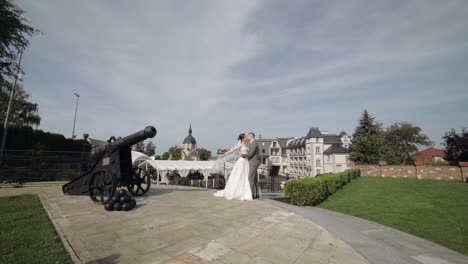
(186, 225)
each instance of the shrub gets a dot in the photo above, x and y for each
(355, 173)
(183, 181)
(196, 184)
(27, 138)
(304, 191)
(313, 191)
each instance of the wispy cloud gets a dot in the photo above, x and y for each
(273, 67)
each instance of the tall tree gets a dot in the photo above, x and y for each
(175, 153)
(456, 145)
(140, 147)
(402, 140)
(23, 112)
(367, 142)
(14, 33)
(150, 148)
(165, 156)
(204, 154)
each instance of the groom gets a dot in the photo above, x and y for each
(254, 162)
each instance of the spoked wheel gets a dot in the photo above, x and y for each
(140, 182)
(102, 187)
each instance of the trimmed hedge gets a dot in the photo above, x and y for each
(27, 138)
(314, 190)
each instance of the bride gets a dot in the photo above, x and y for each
(237, 186)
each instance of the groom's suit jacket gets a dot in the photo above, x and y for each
(253, 155)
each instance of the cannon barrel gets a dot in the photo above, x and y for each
(148, 132)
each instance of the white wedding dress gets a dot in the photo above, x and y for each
(237, 186)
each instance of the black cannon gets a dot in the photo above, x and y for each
(112, 168)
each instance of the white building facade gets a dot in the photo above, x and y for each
(314, 154)
(279, 161)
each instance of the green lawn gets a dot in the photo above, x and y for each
(26, 234)
(433, 210)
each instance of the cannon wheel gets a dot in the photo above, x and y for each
(140, 182)
(102, 187)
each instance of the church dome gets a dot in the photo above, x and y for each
(190, 139)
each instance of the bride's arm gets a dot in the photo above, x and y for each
(231, 151)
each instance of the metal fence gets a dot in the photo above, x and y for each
(272, 184)
(32, 165)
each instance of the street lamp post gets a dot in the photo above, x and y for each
(7, 116)
(76, 110)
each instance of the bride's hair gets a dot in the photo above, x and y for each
(241, 137)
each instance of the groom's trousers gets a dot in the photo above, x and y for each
(253, 178)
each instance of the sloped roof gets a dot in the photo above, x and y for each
(282, 142)
(296, 142)
(314, 132)
(264, 144)
(428, 154)
(331, 139)
(336, 149)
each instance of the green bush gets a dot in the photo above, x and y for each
(183, 181)
(313, 191)
(355, 173)
(196, 184)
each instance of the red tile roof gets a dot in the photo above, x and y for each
(427, 155)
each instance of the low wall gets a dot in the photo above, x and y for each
(450, 173)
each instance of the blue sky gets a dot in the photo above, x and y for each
(272, 67)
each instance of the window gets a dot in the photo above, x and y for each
(328, 157)
(317, 150)
(318, 171)
(263, 150)
(317, 162)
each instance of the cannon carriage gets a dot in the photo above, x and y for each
(112, 168)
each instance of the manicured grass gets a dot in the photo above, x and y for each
(433, 210)
(26, 234)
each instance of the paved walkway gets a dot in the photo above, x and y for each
(378, 243)
(187, 225)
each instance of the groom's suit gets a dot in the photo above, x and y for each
(254, 162)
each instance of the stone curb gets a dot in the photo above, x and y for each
(60, 232)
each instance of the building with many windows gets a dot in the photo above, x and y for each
(278, 157)
(264, 150)
(314, 154)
